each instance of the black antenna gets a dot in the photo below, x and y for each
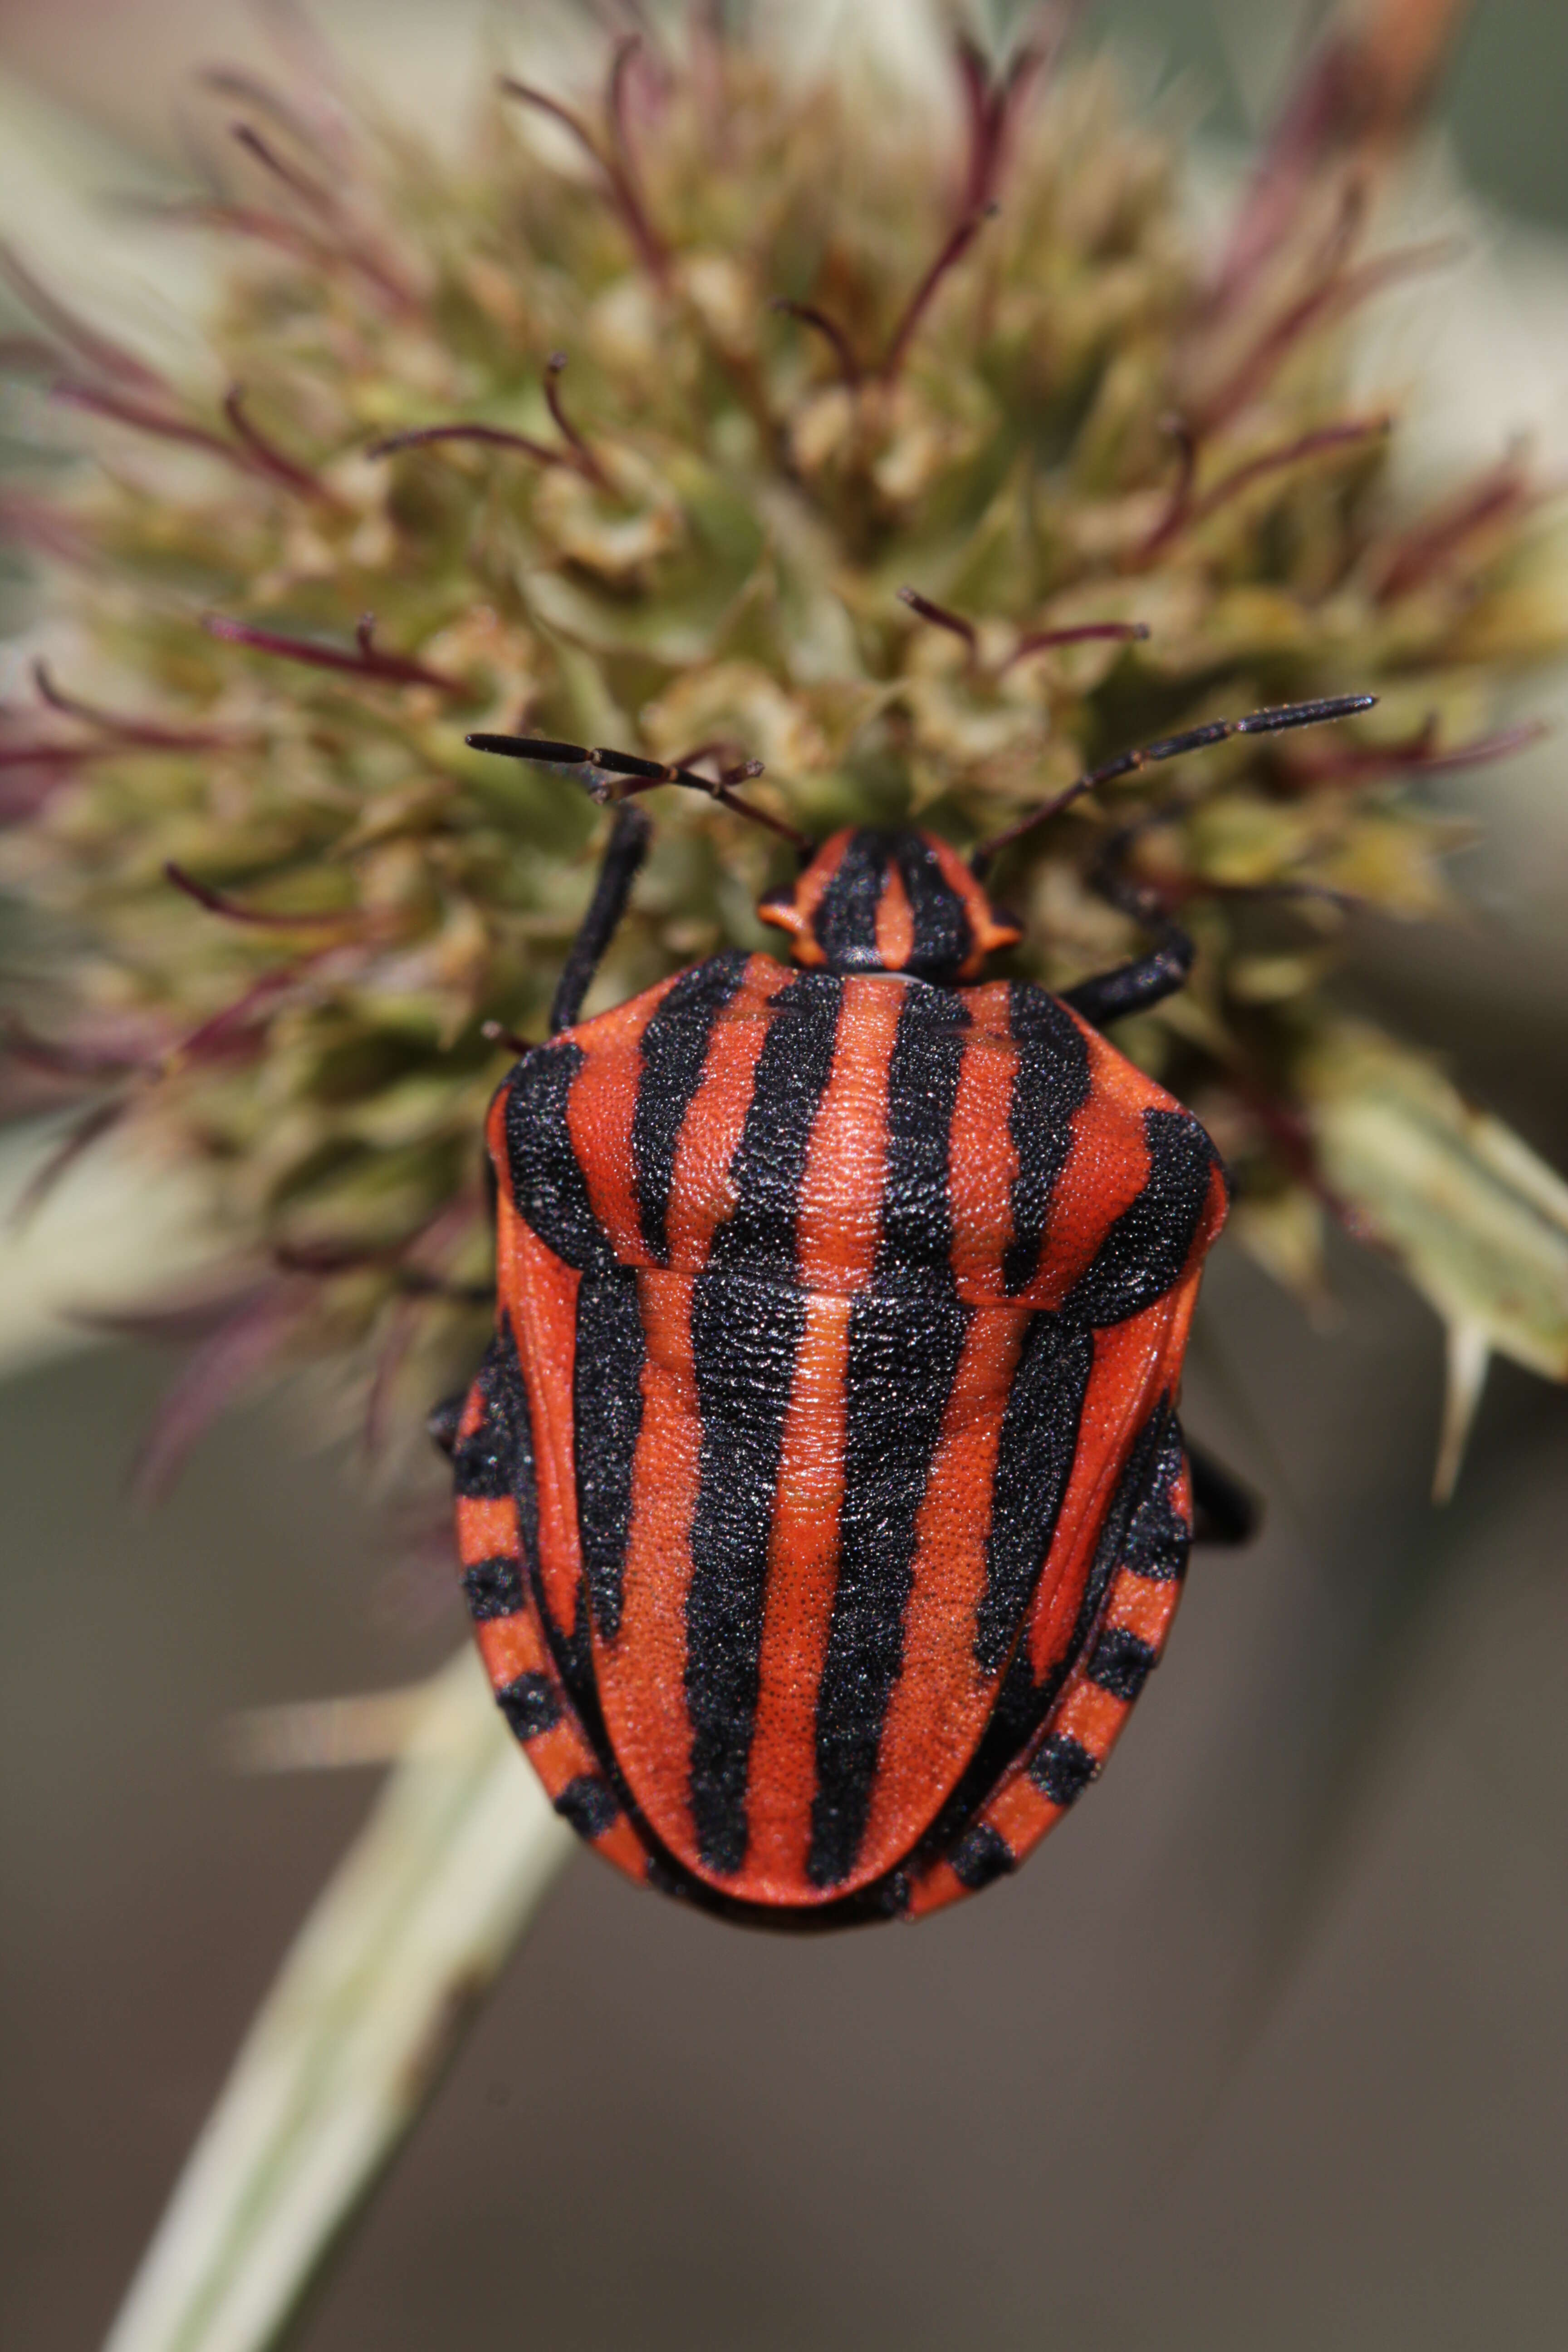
(1172, 747)
(614, 776)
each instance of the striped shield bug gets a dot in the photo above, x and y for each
(821, 1500)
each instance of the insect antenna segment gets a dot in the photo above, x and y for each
(614, 776)
(1171, 747)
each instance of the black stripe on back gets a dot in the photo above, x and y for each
(482, 1462)
(606, 1410)
(903, 1355)
(493, 1588)
(1140, 1488)
(915, 1250)
(531, 1703)
(674, 1053)
(1142, 1255)
(845, 922)
(1034, 1463)
(1158, 1538)
(1063, 1769)
(1022, 1704)
(547, 1183)
(745, 1337)
(981, 1857)
(944, 939)
(1121, 1662)
(1049, 1085)
(496, 1458)
(590, 1805)
(759, 1235)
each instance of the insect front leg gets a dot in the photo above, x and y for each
(616, 775)
(1133, 987)
(618, 868)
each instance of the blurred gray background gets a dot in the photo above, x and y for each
(1266, 2049)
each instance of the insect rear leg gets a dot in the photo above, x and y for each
(1068, 1747)
(443, 1421)
(529, 1690)
(1224, 1511)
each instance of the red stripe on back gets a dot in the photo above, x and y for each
(701, 1193)
(641, 1675)
(540, 1295)
(840, 1220)
(599, 1110)
(940, 1703)
(1107, 1166)
(1132, 1362)
(793, 913)
(895, 925)
(1017, 1810)
(803, 1572)
(984, 1161)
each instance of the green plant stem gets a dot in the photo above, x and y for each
(454, 1862)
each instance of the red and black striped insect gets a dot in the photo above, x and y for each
(822, 1502)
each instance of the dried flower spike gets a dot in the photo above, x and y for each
(832, 346)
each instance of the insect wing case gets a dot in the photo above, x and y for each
(848, 1315)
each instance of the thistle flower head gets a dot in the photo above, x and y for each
(903, 442)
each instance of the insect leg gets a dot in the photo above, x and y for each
(624, 854)
(1133, 987)
(1223, 1511)
(443, 1421)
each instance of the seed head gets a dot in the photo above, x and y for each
(909, 448)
